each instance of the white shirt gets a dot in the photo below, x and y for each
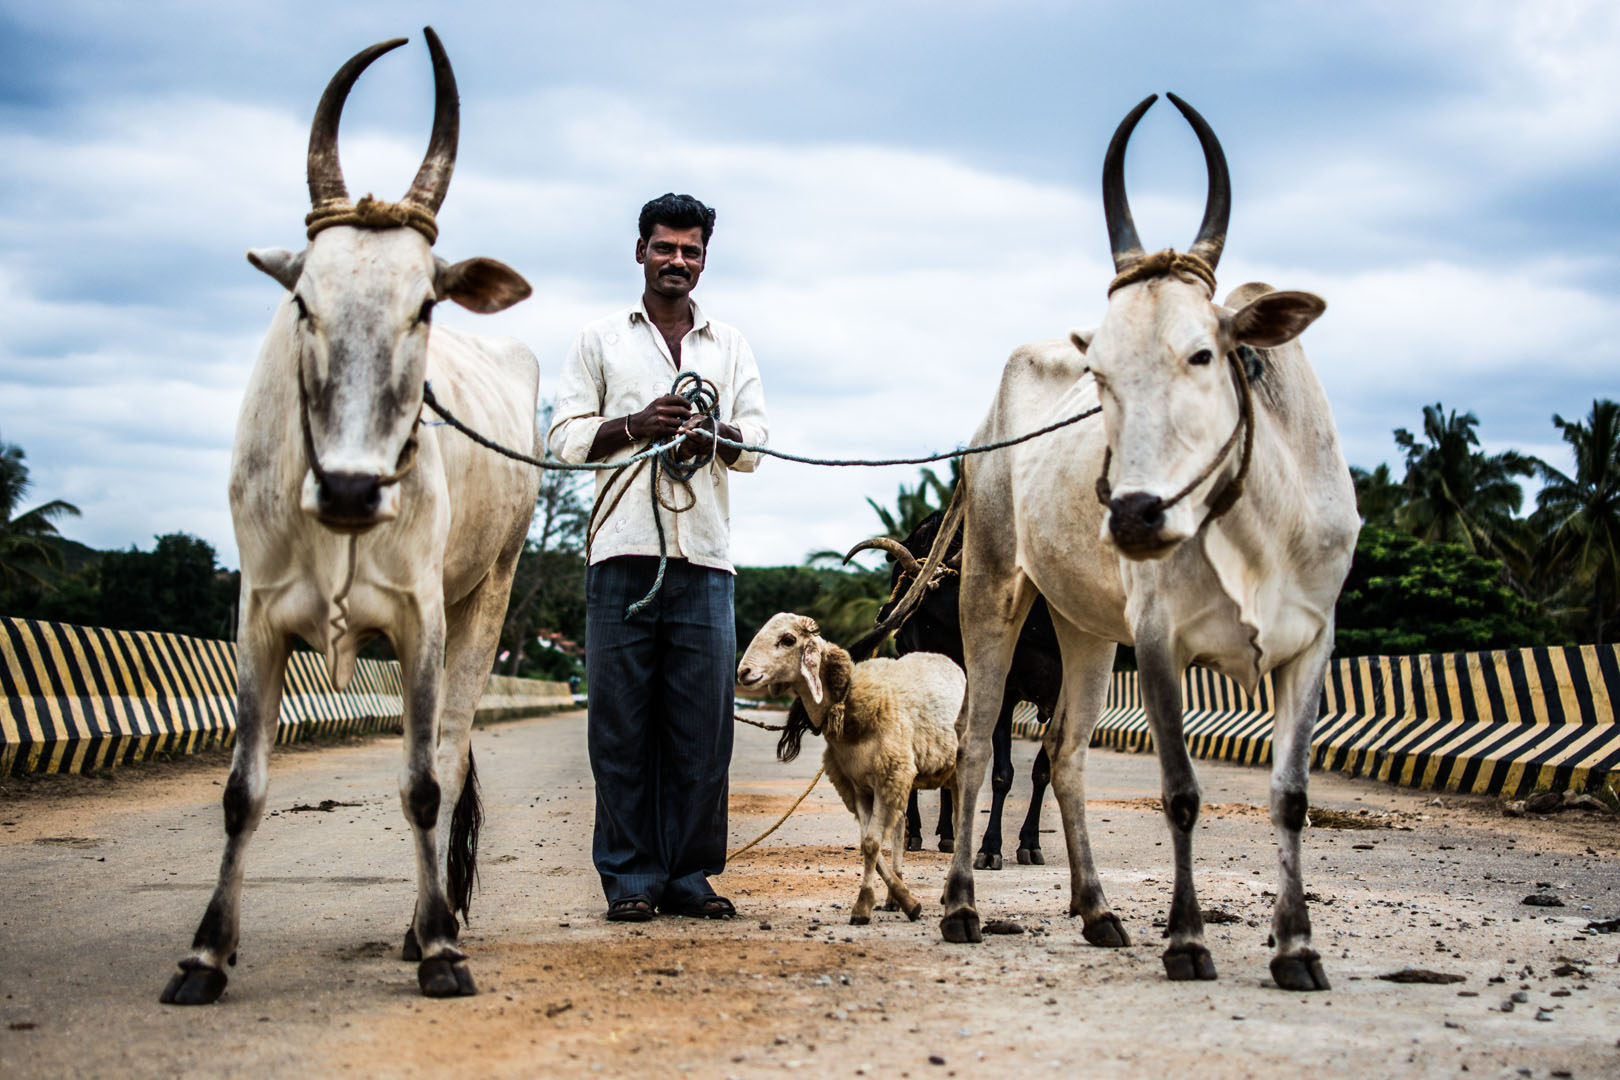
(617, 366)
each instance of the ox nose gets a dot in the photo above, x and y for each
(1135, 520)
(349, 498)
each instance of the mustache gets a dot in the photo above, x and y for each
(675, 271)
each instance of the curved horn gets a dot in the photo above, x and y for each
(433, 178)
(1122, 238)
(906, 559)
(1218, 203)
(324, 172)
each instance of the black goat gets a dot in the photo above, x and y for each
(1036, 676)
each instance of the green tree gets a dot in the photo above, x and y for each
(177, 588)
(1578, 517)
(1458, 494)
(1378, 496)
(26, 546)
(1407, 596)
(762, 591)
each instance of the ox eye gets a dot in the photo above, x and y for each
(1201, 357)
(303, 312)
(425, 314)
(786, 641)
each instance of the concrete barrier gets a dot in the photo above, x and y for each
(76, 698)
(1490, 723)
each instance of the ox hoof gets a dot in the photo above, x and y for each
(1107, 932)
(412, 950)
(440, 978)
(986, 860)
(913, 843)
(961, 927)
(947, 845)
(859, 920)
(1031, 856)
(1184, 963)
(914, 912)
(1301, 971)
(193, 984)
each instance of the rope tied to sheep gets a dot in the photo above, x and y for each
(814, 780)
(1180, 264)
(372, 213)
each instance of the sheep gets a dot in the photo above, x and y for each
(890, 726)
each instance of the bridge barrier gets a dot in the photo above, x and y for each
(77, 698)
(1489, 723)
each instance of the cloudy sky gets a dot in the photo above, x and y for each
(905, 192)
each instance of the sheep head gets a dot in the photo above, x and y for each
(789, 655)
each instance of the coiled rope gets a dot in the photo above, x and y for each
(703, 399)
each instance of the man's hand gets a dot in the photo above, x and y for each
(660, 420)
(702, 430)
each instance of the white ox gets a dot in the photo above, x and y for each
(354, 519)
(1247, 591)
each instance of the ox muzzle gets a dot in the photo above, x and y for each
(1139, 526)
(349, 502)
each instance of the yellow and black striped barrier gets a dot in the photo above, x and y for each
(76, 698)
(1491, 723)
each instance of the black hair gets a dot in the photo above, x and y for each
(676, 212)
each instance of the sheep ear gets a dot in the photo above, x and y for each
(810, 668)
(838, 670)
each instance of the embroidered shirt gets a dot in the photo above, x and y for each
(617, 366)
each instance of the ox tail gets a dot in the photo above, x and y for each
(868, 644)
(463, 845)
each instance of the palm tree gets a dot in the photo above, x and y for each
(25, 539)
(1378, 496)
(1579, 516)
(914, 504)
(1456, 493)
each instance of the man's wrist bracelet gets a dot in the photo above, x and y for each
(629, 437)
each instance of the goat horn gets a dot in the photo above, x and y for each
(1122, 238)
(433, 178)
(1218, 203)
(906, 559)
(324, 171)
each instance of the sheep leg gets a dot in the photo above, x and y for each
(1087, 665)
(884, 816)
(861, 913)
(897, 846)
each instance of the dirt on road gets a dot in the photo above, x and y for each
(102, 882)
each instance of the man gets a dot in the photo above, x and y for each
(660, 726)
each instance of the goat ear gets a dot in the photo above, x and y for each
(481, 285)
(810, 667)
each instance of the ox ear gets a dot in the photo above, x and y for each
(810, 668)
(481, 285)
(279, 263)
(1276, 318)
(1081, 339)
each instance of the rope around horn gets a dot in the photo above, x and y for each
(371, 213)
(1181, 264)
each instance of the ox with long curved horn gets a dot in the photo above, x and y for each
(325, 171)
(908, 562)
(1122, 238)
(433, 178)
(1218, 202)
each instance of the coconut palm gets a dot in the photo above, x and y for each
(1579, 515)
(25, 539)
(1457, 493)
(1378, 496)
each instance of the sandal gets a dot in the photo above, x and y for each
(701, 907)
(637, 907)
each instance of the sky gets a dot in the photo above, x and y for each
(906, 192)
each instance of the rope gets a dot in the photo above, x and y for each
(813, 781)
(370, 213)
(741, 719)
(1182, 264)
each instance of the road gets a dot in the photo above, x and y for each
(103, 880)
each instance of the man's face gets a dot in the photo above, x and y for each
(671, 260)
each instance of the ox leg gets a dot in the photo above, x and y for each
(1087, 664)
(442, 971)
(946, 829)
(1186, 957)
(1296, 966)
(1001, 780)
(1029, 835)
(913, 824)
(261, 660)
(996, 617)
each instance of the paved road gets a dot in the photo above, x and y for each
(101, 884)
